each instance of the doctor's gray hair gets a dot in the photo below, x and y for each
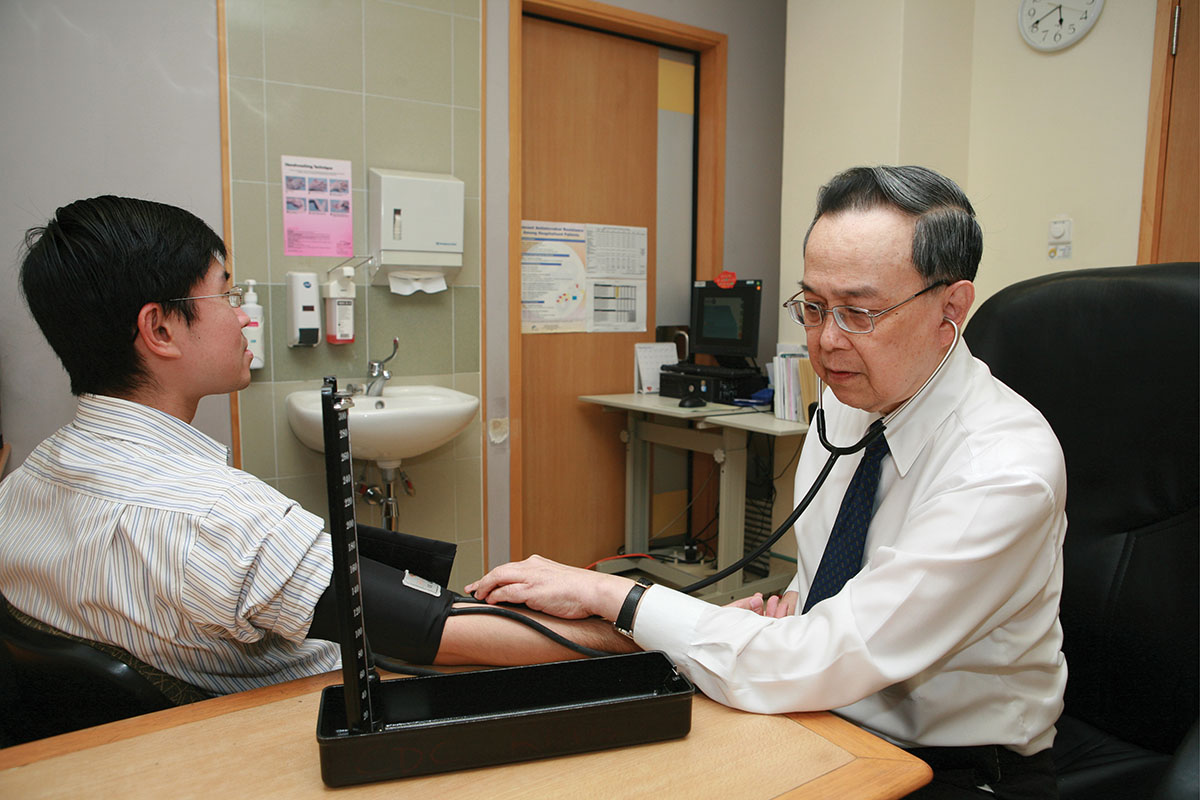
(947, 242)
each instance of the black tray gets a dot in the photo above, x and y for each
(472, 719)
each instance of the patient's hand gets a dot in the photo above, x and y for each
(773, 606)
(753, 603)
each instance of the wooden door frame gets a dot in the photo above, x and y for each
(1162, 73)
(712, 49)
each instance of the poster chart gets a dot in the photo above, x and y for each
(582, 278)
(317, 215)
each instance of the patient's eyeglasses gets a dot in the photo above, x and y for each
(851, 319)
(234, 296)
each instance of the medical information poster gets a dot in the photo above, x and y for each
(317, 217)
(582, 278)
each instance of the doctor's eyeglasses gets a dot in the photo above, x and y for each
(234, 296)
(851, 319)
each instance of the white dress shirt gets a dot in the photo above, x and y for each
(126, 526)
(949, 635)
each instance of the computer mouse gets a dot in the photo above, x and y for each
(692, 402)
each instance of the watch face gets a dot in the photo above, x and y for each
(1050, 25)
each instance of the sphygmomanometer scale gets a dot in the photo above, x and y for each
(357, 669)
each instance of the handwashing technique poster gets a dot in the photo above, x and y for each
(317, 208)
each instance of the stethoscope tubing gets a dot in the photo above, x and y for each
(873, 432)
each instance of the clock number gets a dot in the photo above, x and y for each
(1070, 30)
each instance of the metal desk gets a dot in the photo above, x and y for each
(715, 429)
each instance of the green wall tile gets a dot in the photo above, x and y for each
(319, 123)
(468, 484)
(467, 8)
(256, 405)
(423, 324)
(243, 37)
(466, 149)
(408, 52)
(402, 134)
(466, 328)
(248, 210)
(467, 47)
(247, 129)
(314, 42)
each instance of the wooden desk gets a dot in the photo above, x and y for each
(262, 744)
(716, 429)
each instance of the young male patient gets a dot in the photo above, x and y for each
(127, 526)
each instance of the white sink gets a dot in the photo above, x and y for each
(405, 421)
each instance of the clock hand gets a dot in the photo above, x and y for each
(1057, 8)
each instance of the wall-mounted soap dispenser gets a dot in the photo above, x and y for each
(254, 329)
(303, 318)
(415, 229)
(339, 292)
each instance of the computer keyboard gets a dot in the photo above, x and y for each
(711, 371)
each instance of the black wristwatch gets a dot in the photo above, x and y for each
(624, 623)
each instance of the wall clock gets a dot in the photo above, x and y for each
(1050, 26)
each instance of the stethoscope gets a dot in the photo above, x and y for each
(875, 430)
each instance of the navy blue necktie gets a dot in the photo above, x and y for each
(844, 550)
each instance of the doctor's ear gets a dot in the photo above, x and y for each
(957, 301)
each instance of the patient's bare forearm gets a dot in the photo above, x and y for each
(494, 640)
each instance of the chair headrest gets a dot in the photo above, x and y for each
(1111, 357)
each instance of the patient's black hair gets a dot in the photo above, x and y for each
(88, 271)
(947, 242)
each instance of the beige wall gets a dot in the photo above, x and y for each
(380, 84)
(951, 84)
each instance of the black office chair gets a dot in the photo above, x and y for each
(1111, 357)
(52, 682)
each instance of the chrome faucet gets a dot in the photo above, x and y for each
(378, 375)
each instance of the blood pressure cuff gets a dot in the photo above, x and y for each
(404, 609)
(428, 558)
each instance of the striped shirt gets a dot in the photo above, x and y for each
(126, 526)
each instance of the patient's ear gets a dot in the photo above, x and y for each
(156, 332)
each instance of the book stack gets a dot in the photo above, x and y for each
(795, 386)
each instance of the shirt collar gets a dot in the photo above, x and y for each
(114, 418)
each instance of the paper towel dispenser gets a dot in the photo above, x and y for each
(415, 229)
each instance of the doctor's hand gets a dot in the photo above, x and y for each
(553, 588)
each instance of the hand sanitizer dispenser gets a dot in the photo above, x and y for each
(415, 229)
(303, 314)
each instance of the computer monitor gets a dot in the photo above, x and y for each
(725, 321)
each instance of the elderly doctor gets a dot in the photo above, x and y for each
(925, 603)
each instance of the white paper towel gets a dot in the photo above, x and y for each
(408, 281)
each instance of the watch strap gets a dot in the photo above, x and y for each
(624, 623)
